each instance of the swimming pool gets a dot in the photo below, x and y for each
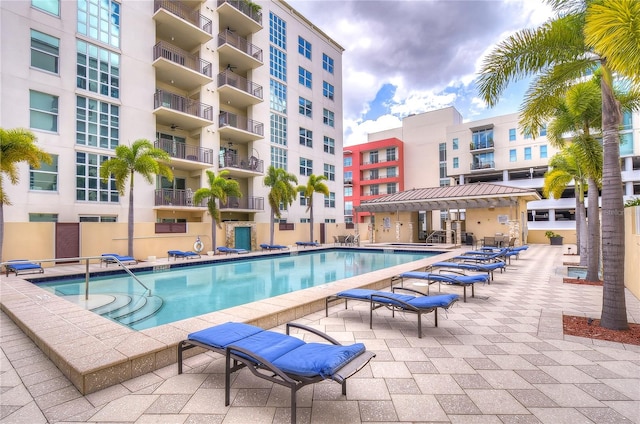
(188, 291)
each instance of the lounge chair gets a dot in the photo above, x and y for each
(489, 267)
(416, 303)
(307, 244)
(228, 250)
(279, 358)
(114, 258)
(266, 246)
(483, 256)
(449, 277)
(23, 266)
(182, 254)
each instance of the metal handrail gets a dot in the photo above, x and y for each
(147, 290)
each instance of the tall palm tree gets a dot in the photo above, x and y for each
(314, 185)
(16, 145)
(141, 158)
(585, 34)
(283, 191)
(218, 189)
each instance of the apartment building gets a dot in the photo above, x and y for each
(218, 84)
(493, 150)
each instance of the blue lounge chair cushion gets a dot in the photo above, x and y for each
(269, 345)
(120, 258)
(272, 246)
(181, 253)
(420, 302)
(225, 249)
(446, 278)
(22, 265)
(437, 301)
(225, 334)
(481, 267)
(313, 359)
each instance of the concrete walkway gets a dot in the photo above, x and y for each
(499, 358)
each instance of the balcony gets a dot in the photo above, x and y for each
(238, 128)
(175, 110)
(186, 152)
(237, 91)
(186, 27)
(348, 182)
(176, 198)
(245, 203)
(237, 14)
(184, 70)
(237, 51)
(486, 165)
(481, 145)
(241, 166)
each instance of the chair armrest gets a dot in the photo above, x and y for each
(393, 289)
(243, 355)
(314, 331)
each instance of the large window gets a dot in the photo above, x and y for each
(327, 90)
(543, 151)
(527, 153)
(348, 191)
(455, 144)
(348, 177)
(330, 172)
(45, 51)
(97, 123)
(98, 218)
(330, 201)
(512, 134)
(49, 6)
(304, 107)
(89, 186)
(391, 188)
(277, 31)
(304, 77)
(456, 163)
(98, 70)
(373, 157)
(43, 111)
(46, 177)
(328, 117)
(278, 129)
(348, 161)
(391, 154)
(277, 63)
(374, 174)
(306, 137)
(391, 172)
(327, 63)
(279, 157)
(304, 47)
(482, 139)
(306, 166)
(374, 189)
(100, 20)
(43, 217)
(329, 145)
(512, 155)
(278, 96)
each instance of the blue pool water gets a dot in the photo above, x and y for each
(189, 291)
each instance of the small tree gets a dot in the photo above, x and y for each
(314, 185)
(141, 158)
(282, 191)
(16, 145)
(218, 190)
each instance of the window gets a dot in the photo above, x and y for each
(527, 136)
(373, 157)
(482, 139)
(45, 51)
(443, 169)
(304, 47)
(456, 163)
(277, 63)
(348, 208)
(46, 177)
(278, 129)
(330, 221)
(627, 120)
(455, 144)
(543, 151)
(327, 63)
(49, 6)
(278, 157)
(348, 161)
(512, 155)
(303, 200)
(527, 153)
(374, 189)
(306, 167)
(330, 172)
(626, 143)
(330, 201)
(43, 111)
(278, 96)
(305, 220)
(306, 137)
(329, 145)
(100, 20)
(391, 188)
(304, 107)
(328, 117)
(97, 123)
(348, 177)
(327, 90)
(277, 31)
(304, 77)
(543, 130)
(391, 154)
(391, 172)
(512, 134)
(89, 186)
(43, 217)
(348, 191)
(98, 218)
(97, 70)
(373, 174)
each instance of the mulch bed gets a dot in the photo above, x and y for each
(590, 328)
(581, 281)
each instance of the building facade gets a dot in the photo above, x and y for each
(219, 85)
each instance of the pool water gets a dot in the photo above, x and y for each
(189, 291)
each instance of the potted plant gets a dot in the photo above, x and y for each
(554, 239)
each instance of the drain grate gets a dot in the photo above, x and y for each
(162, 267)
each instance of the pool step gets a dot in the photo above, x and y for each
(120, 307)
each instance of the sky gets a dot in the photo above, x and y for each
(406, 57)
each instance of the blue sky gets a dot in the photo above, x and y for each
(412, 56)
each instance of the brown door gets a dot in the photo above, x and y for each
(322, 233)
(67, 240)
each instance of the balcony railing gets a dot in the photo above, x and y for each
(348, 182)
(240, 43)
(379, 160)
(483, 165)
(229, 78)
(181, 57)
(192, 16)
(185, 151)
(231, 160)
(488, 144)
(172, 197)
(244, 7)
(241, 123)
(250, 202)
(182, 104)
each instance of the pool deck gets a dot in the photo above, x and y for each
(501, 357)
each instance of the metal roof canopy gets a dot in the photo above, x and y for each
(466, 196)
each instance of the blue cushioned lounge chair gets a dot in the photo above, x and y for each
(266, 246)
(444, 277)
(182, 254)
(23, 266)
(416, 302)
(307, 244)
(488, 267)
(228, 250)
(114, 258)
(279, 358)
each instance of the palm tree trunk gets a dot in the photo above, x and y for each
(272, 227)
(614, 310)
(581, 224)
(593, 265)
(130, 224)
(311, 221)
(1, 228)
(214, 233)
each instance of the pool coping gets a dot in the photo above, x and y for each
(94, 352)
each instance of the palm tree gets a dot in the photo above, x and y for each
(219, 189)
(282, 191)
(16, 145)
(141, 158)
(314, 185)
(584, 35)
